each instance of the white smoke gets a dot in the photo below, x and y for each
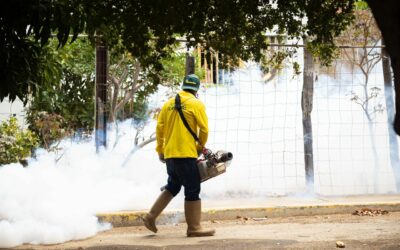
(56, 199)
(50, 202)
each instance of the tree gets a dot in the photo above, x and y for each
(147, 29)
(130, 83)
(394, 146)
(66, 91)
(64, 103)
(25, 27)
(130, 86)
(387, 16)
(364, 34)
(123, 83)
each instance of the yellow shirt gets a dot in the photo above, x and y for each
(173, 138)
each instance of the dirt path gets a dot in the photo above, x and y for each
(304, 232)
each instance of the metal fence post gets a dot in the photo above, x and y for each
(189, 69)
(101, 96)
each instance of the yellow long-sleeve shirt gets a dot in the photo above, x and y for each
(173, 138)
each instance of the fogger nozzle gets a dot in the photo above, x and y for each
(226, 157)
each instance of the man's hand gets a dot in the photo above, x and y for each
(161, 157)
(199, 150)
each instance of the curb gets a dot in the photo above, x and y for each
(133, 218)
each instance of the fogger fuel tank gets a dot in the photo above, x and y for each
(213, 164)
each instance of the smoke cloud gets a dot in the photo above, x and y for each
(56, 198)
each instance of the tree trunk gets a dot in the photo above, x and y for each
(387, 16)
(306, 106)
(371, 131)
(113, 113)
(393, 144)
(375, 154)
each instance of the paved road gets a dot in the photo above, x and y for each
(300, 232)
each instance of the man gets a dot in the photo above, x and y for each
(177, 147)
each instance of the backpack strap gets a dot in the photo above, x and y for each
(178, 107)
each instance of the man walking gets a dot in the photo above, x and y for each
(179, 149)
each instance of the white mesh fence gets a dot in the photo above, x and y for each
(261, 123)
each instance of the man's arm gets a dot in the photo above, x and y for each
(202, 123)
(160, 132)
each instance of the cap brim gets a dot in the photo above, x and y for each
(190, 87)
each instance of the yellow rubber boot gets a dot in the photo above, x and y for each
(193, 217)
(158, 206)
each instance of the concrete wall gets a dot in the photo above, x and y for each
(15, 108)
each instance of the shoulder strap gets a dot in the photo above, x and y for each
(178, 107)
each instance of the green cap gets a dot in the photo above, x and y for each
(191, 82)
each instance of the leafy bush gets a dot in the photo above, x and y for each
(68, 90)
(16, 144)
(50, 127)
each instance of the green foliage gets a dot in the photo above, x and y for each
(361, 5)
(148, 29)
(130, 83)
(199, 71)
(69, 88)
(324, 52)
(16, 144)
(274, 60)
(296, 68)
(363, 31)
(140, 113)
(138, 110)
(173, 69)
(50, 127)
(25, 27)
(70, 96)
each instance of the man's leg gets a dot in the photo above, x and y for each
(171, 190)
(158, 206)
(189, 174)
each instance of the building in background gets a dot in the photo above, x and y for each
(8, 109)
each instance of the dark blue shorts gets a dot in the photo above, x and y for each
(183, 172)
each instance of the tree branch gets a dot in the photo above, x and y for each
(135, 87)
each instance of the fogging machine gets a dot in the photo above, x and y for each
(212, 164)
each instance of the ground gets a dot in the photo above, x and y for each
(298, 232)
